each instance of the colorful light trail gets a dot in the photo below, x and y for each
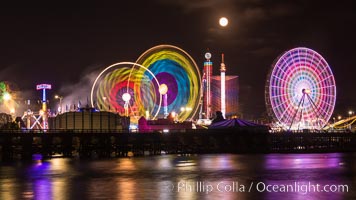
(301, 90)
(178, 71)
(121, 79)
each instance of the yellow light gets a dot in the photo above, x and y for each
(147, 114)
(163, 89)
(7, 96)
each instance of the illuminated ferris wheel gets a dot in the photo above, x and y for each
(300, 90)
(164, 76)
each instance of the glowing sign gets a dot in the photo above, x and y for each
(43, 86)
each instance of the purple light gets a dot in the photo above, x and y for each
(171, 83)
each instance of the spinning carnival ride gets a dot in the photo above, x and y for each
(163, 79)
(117, 89)
(300, 90)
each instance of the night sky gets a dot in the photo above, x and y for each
(60, 43)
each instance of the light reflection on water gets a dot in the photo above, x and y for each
(178, 177)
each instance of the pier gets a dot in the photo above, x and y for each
(88, 144)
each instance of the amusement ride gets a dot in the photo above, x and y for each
(300, 90)
(164, 76)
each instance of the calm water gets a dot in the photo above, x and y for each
(223, 176)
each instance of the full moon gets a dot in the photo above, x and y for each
(223, 21)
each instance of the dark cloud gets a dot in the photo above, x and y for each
(253, 14)
(194, 5)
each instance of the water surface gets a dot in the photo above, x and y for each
(224, 176)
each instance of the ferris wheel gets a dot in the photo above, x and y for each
(300, 90)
